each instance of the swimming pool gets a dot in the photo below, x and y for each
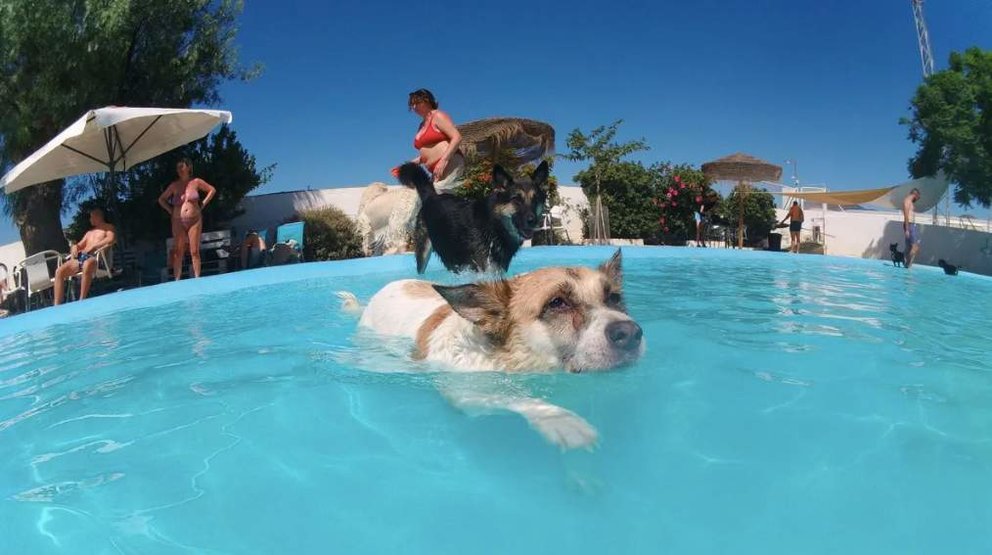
(786, 404)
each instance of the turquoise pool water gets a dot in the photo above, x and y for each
(786, 404)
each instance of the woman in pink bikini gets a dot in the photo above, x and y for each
(181, 199)
(437, 139)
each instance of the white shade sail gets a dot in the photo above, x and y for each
(932, 189)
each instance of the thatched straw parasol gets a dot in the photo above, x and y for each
(528, 139)
(743, 169)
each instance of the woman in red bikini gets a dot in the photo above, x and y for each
(181, 199)
(437, 139)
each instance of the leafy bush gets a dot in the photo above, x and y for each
(477, 181)
(329, 234)
(681, 191)
(650, 203)
(628, 193)
(626, 187)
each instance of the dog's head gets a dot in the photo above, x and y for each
(942, 263)
(520, 203)
(571, 318)
(893, 247)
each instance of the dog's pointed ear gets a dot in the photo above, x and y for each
(484, 304)
(501, 179)
(540, 176)
(613, 268)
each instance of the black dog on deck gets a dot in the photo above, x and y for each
(949, 269)
(898, 258)
(478, 234)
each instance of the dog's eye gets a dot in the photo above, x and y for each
(614, 298)
(557, 303)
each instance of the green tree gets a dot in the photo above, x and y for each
(625, 186)
(952, 125)
(60, 58)
(759, 211)
(628, 193)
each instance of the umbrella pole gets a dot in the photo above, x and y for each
(110, 189)
(824, 228)
(740, 220)
(600, 235)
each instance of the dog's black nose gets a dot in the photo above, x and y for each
(624, 334)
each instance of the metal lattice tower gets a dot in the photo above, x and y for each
(926, 56)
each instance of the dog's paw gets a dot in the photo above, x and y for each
(561, 427)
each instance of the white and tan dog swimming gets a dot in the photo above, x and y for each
(559, 318)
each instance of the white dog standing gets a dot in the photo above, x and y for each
(569, 318)
(386, 218)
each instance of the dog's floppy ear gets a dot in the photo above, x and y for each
(540, 176)
(501, 179)
(612, 268)
(484, 304)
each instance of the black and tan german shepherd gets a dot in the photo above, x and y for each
(480, 235)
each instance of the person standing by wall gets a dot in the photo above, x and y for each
(795, 217)
(909, 226)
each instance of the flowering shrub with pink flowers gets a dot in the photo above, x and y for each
(477, 181)
(680, 191)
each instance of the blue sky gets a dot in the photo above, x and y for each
(824, 83)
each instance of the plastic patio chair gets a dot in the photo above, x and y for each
(4, 275)
(292, 231)
(35, 274)
(104, 268)
(552, 221)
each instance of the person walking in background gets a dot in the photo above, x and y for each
(699, 215)
(909, 226)
(795, 217)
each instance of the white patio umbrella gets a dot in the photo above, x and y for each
(112, 139)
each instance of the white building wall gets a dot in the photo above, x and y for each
(11, 254)
(868, 234)
(268, 211)
(860, 234)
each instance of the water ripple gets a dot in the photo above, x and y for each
(778, 378)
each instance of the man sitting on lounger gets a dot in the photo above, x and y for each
(82, 257)
(252, 250)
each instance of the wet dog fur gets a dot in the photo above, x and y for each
(558, 318)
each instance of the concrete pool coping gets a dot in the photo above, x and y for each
(403, 265)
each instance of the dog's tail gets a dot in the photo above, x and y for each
(349, 303)
(413, 176)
